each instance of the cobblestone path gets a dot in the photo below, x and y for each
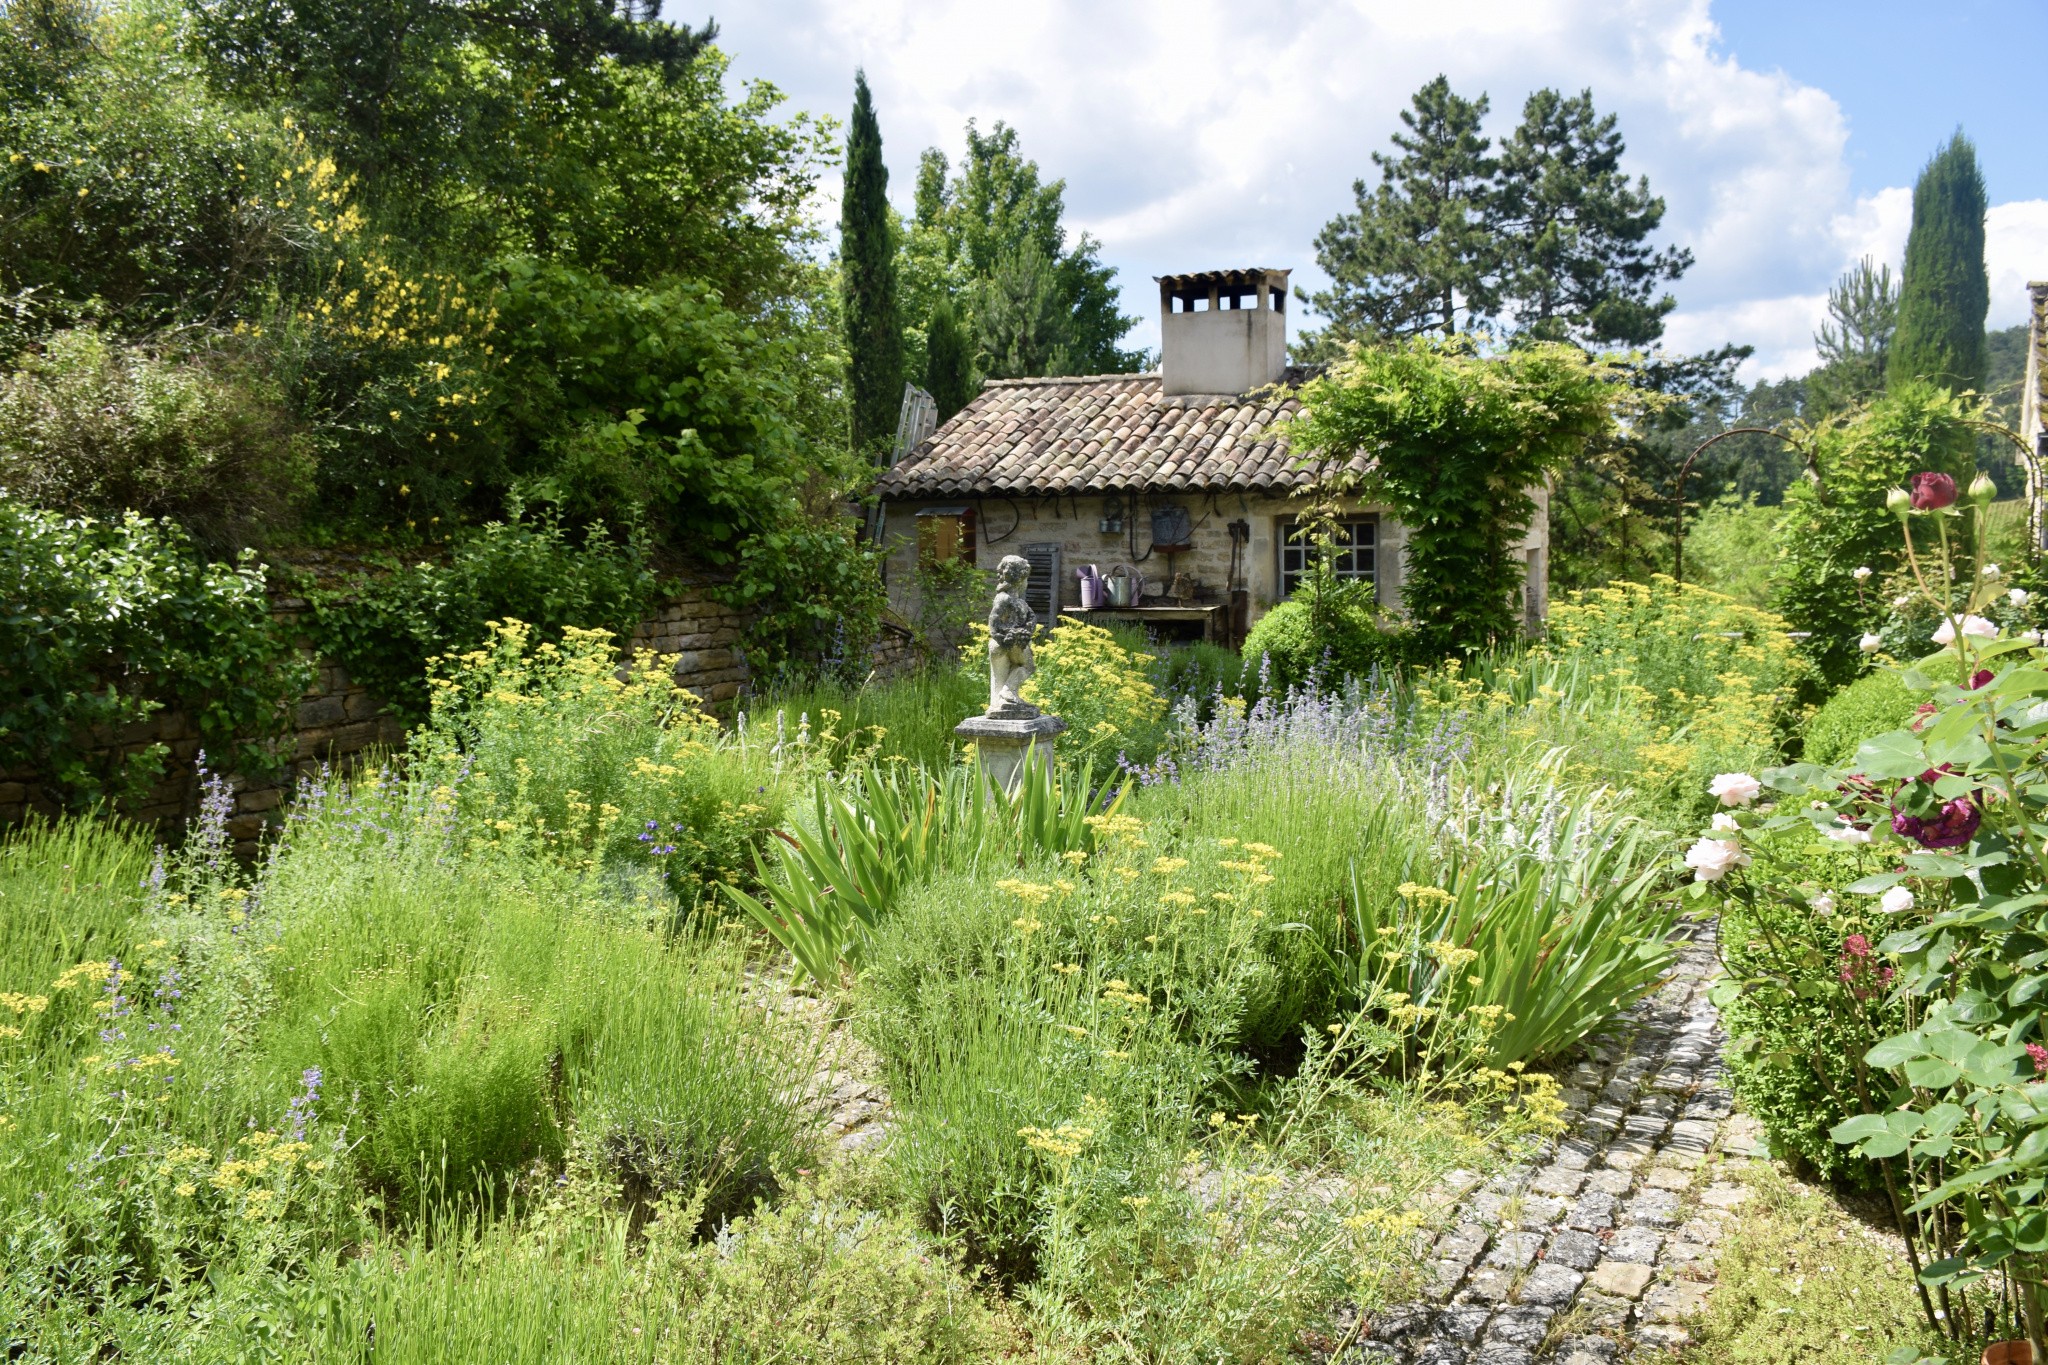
(1600, 1245)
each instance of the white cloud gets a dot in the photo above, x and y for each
(1198, 133)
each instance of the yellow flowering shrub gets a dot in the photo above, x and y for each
(1100, 689)
(1656, 686)
(559, 749)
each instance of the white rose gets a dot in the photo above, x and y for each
(1991, 571)
(2037, 713)
(1848, 834)
(1870, 644)
(1975, 626)
(2018, 597)
(1861, 572)
(1823, 904)
(1896, 901)
(1734, 789)
(1902, 599)
(1723, 820)
(1710, 859)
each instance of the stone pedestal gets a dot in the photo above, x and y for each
(1005, 741)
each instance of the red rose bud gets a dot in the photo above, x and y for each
(1932, 492)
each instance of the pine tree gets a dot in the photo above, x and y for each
(1855, 342)
(1420, 253)
(1574, 230)
(1943, 291)
(867, 266)
(946, 375)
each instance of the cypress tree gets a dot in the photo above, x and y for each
(1944, 291)
(867, 269)
(945, 360)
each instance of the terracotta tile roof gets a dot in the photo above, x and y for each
(1099, 434)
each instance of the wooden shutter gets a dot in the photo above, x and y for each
(1043, 591)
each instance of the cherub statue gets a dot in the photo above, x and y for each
(1010, 625)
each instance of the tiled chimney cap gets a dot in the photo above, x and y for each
(1197, 284)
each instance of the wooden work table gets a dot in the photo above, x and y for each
(1210, 616)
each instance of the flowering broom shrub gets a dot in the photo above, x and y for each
(1940, 893)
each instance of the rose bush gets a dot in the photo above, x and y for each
(1928, 990)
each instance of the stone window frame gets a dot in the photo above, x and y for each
(1291, 552)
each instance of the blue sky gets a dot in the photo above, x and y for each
(1197, 134)
(1907, 74)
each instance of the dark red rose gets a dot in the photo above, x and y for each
(1979, 678)
(1932, 492)
(1954, 825)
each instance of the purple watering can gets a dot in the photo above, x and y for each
(1091, 586)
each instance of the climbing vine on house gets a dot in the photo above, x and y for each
(1460, 438)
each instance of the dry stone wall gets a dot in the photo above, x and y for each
(336, 722)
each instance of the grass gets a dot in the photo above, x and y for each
(1800, 1278)
(475, 1062)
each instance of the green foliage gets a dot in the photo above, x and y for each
(1577, 267)
(1798, 1030)
(909, 717)
(877, 834)
(1514, 958)
(549, 125)
(556, 749)
(1352, 640)
(867, 276)
(1840, 524)
(948, 376)
(1734, 549)
(127, 188)
(93, 427)
(1939, 988)
(992, 241)
(107, 623)
(69, 892)
(1943, 291)
(387, 629)
(819, 1280)
(1418, 252)
(1462, 439)
(1873, 704)
(1856, 340)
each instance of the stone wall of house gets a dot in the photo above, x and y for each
(1004, 526)
(1074, 524)
(337, 723)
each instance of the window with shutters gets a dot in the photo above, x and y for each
(945, 535)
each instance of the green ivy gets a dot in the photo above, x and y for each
(1458, 440)
(106, 623)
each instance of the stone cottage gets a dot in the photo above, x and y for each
(1173, 482)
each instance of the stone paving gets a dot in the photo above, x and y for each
(1598, 1246)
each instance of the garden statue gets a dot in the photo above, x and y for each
(1011, 623)
(1012, 733)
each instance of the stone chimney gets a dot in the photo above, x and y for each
(1222, 331)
